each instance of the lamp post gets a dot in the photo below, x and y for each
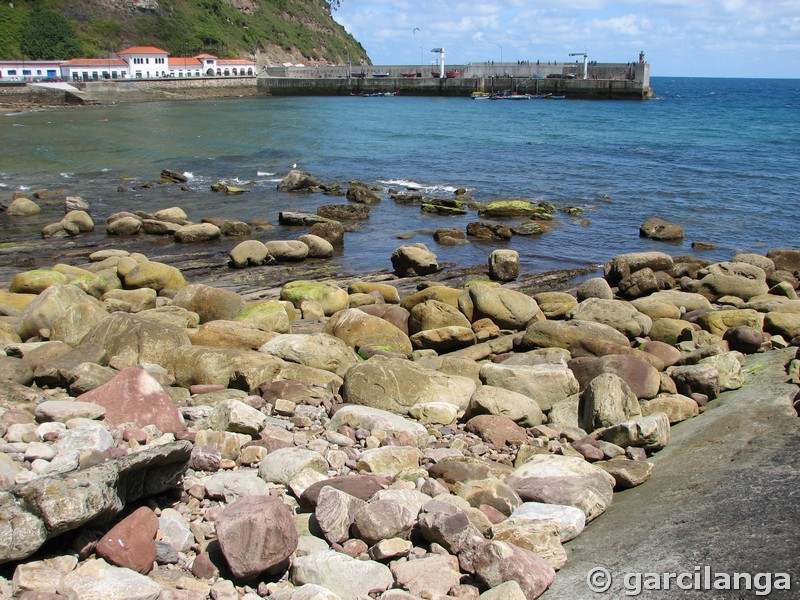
(501, 53)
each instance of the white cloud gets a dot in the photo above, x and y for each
(691, 37)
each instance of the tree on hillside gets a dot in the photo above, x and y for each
(333, 4)
(48, 35)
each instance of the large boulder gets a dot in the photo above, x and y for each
(198, 232)
(508, 309)
(330, 296)
(642, 378)
(433, 314)
(133, 340)
(134, 396)
(50, 307)
(137, 272)
(286, 250)
(343, 575)
(369, 418)
(357, 329)
(320, 350)
(547, 384)
(23, 207)
(269, 314)
(229, 367)
(504, 264)
(396, 385)
(728, 279)
(563, 334)
(36, 281)
(413, 260)
(618, 314)
(248, 253)
(556, 479)
(231, 334)
(209, 302)
(624, 264)
(607, 400)
(257, 534)
(361, 194)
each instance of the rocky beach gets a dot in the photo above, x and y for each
(239, 419)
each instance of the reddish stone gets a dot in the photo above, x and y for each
(360, 486)
(497, 430)
(494, 515)
(205, 388)
(134, 396)
(131, 542)
(257, 534)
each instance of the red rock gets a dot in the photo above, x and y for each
(497, 430)
(257, 534)
(360, 486)
(131, 542)
(134, 396)
(205, 388)
(497, 562)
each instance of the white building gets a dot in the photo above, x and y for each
(136, 62)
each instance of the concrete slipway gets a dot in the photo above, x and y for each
(725, 493)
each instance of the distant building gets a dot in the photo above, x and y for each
(136, 62)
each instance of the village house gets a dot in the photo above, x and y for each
(136, 62)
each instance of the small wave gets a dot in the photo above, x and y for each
(18, 125)
(67, 175)
(105, 170)
(419, 187)
(24, 187)
(264, 174)
(188, 175)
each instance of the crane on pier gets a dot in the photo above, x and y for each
(585, 56)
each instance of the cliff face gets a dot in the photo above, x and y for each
(271, 31)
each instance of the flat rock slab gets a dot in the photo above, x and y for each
(722, 494)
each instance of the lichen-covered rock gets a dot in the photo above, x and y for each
(508, 309)
(209, 302)
(357, 329)
(331, 297)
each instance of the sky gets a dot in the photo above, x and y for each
(680, 38)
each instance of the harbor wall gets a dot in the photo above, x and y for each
(612, 89)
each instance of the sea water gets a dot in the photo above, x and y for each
(719, 157)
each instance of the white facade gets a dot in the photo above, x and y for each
(137, 62)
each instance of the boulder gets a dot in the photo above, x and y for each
(145, 273)
(651, 432)
(785, 259)
(565, 480)
(320, 350)
(127, 225)
(696, 379)
(286, 250)
(444, 339)
(618, 314)
(624, 264)
(677, 407)
(269, 314)
(626, 472)
(341, 212)
(414, 260)
(383, 519)
(332, 231)
(540, 537)
(369, 418)
(387, 291)
(395, 385)
(728, 279)
(229, 367)
(210, 303)
(23, 207)
(555, 305)
(51, 306)
(234, 415)
(563, 334)
(298, 181)
(569, 520)
(644, 282)
(134, 340)
(786, 324)
(357, 329)
(504, 265)
(659, 229)
(347, 577)
(595, 287)
(36, 281)
(492, 400)
(96, 578)
(719, 321)
(547, 384)
(80, 219)
(134, 396)
(433, 314)
(496, 562)
(441, 293)
(489, 231)
(231, 334)
(607, 400)
(131, 542)
(330, 296)
(642, 378)
(256, 534)
(198, 232)
(508, 309)
(318, 247)
(248, 253)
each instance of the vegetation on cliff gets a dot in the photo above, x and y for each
(270, 30)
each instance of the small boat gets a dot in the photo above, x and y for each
(480, 95)
(451, 74)
(408, 74)
(552, 97)
(378, 94)
(380, 74)
(359, 75)
(435, 74)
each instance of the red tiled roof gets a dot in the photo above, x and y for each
(180, 61)
(95, 62)
(143, 50)
(205, 56)
(236, 61)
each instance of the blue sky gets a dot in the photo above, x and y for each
(693, 38)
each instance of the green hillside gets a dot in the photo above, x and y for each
(273, 31)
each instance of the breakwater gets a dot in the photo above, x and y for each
(617, 81)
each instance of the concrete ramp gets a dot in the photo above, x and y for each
(72, 95)
(59, 85)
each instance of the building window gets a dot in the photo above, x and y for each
(12, 72)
